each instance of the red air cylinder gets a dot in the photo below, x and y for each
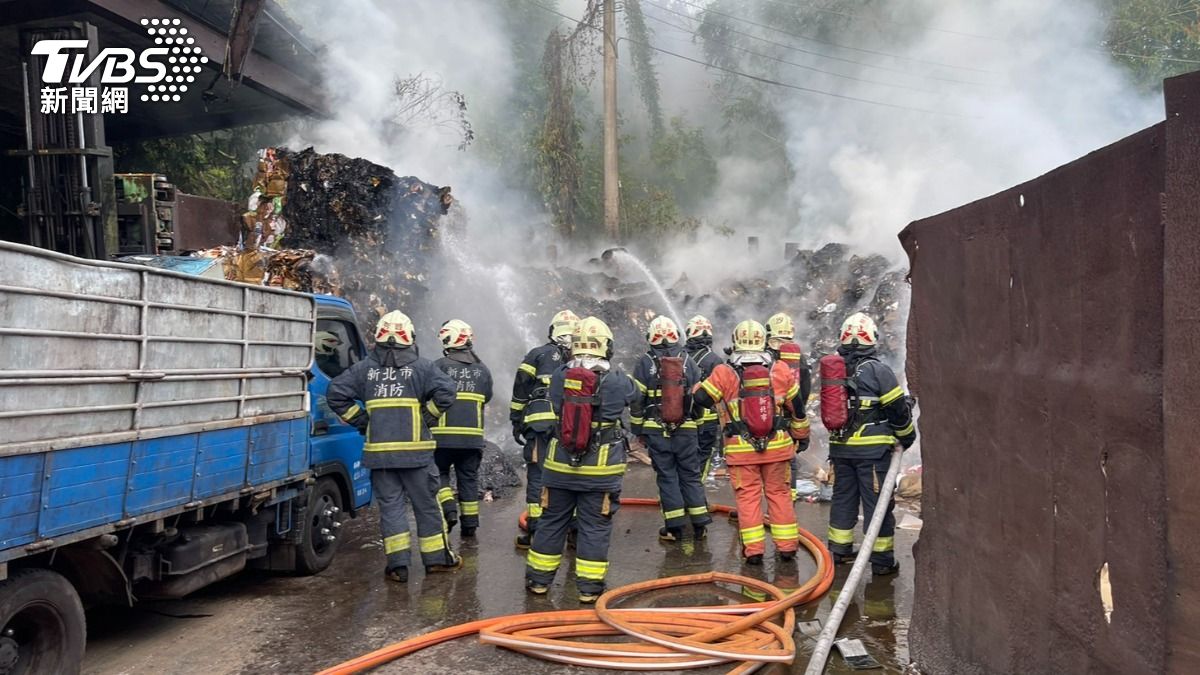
(670, 378)
(835, 399)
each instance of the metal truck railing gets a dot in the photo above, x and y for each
(94, 351)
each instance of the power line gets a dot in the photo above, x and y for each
(757, 78)
(790, 63)
(801, 50)
(827, 43)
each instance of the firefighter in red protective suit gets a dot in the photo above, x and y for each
(781, 344)
(759, 464)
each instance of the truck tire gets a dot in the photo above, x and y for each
(42, 623)
(322, 520)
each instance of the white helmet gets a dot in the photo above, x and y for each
(662, 332)
(698, 326)
(563, 327)
(860, 330)
(395, 326)
(456, 334)
(326, 343)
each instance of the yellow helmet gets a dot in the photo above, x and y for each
(662, 331)
(859, 329)
(698, 326)
(749, 336)
(563, 326)
(456, 334)
(780, 326)
(326, 343)
(395, 326)
(592, 339)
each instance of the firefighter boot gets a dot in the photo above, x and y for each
(699, 532)
(456, 563)
(397, 574)
(755, 559)
(670, 534)
(885, 570)
(468, 532)
(524, 540)
(535, 588)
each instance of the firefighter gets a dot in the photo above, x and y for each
(587, 485)
(881, 417)
(459, 432)
(674, 446)
(699, 334)
(758, 466)
(531, 414)
(325, 345)
(393, 396)
(781, 344)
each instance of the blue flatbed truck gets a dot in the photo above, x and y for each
(159, 432)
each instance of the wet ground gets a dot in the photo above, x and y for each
(258, 623)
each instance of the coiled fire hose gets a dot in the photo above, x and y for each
(659, 638)
(816, 663)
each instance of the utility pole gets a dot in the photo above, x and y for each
(612, 187)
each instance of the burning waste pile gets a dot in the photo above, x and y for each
(327, 223)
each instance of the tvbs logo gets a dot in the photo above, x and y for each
(166, 70)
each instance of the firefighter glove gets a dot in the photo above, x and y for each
(801, 445)
(519, 434)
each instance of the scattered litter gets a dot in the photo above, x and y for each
(909, 522)
(855, 654)
(809, 629)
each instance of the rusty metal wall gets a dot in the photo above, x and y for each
(1036, 346)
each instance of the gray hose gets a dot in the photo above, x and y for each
(816, 664)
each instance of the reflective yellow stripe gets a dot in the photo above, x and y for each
(738, 445)
(866, 440)
(402, 402)
(397, 542)
(697, 510)
(712, 390)
(641, 387)
(351, 413)
(799, 424)
(445, 495)
(516, 406)
(673, 513)
(541, 417)
(710, 415)
(469, 508)
(559, 467)
(460, 431)
(534, 509)
(841, 536)
(593, 570)
(907, 431)
(785, 532)
(891, 396)
(792, 393)
(543, 562)
(572, 384)
(400, 445)
(756, 382)
(527, 369)
(753, 535)
(470, 396)
(636, 420)
(655, 424)
(884, 544)
(432, 544)
(433, 408)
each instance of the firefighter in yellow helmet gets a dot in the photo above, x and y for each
(881, 417)
(531, 414)
(761, 397)
(663, 417)
(782, 345)
(459, 431)
(393, 397)
(584, 464)
(699, 334)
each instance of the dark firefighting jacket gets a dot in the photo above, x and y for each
(701, 352)
(602, 467)
(883, 416)
(530, 396)
(644, 414)
(393, 395)
(462, 425)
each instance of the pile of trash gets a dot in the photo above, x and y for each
(327, 223)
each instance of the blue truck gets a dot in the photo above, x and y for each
(159, 431)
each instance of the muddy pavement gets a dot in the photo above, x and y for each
(259, 623)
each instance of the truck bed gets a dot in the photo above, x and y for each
(129, 393)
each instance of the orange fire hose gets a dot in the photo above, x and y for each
(660, 638)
